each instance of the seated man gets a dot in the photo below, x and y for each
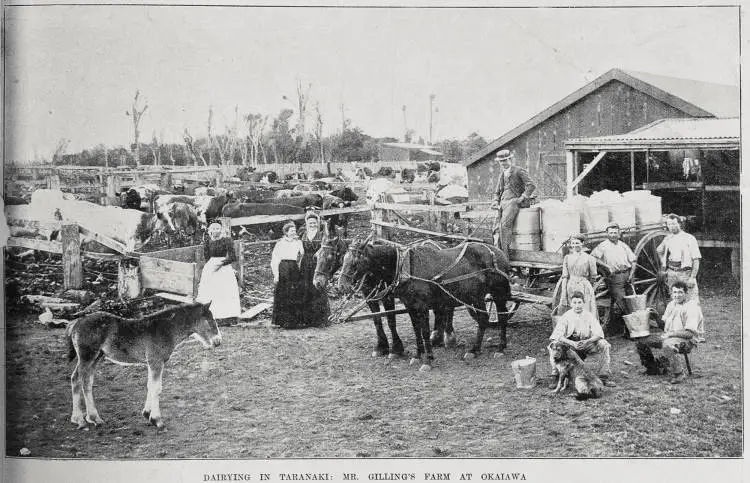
(580, 330)
(682, 321)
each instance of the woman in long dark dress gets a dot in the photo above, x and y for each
(316, 309)
(287, 303)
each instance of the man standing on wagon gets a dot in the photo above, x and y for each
(618, 256)
(514, 188)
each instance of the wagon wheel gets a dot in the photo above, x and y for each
(601, 292)
(647, 276)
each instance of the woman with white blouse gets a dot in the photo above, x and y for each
(285, 258)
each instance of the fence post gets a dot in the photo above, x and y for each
(226, 224)
(71, 253)
(54, 181)
(377, 215)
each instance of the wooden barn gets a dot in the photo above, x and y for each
(617, 102)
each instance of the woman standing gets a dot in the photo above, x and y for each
(315, 303)
(286, 277)
(218, 284)
(578, 274)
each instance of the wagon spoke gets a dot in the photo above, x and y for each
(645, 269)
(647, 253)
(644, 281)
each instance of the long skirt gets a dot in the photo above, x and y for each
(219, 287)
(316, 308)
(287, 299)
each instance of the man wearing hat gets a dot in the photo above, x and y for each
(514, 188)
(618, 256)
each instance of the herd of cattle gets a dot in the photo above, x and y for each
(185, 214)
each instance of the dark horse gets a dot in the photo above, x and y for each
(425, 278)
(330, 257)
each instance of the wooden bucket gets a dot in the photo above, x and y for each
(527, 230)
(524, 371)
(638, 323)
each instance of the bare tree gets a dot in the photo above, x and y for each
(256, 124)
(193, 152)
(210, 137)
(62, 146)
(136, 115)
(319, 132)
(303, 95)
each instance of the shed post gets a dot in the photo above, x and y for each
(377, 215)
(71, 253)
(239, 253)
(54, 181)
(632, 170)
(570, 161)
(110, 188)
(736, 260)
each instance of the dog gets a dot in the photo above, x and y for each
(569, 366)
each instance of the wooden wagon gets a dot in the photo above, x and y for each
(539, 271)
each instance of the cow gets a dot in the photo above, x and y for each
(210, 191)
(341, 219)
(131, 199)
(14, 200)
(282, 194)
(407, 175)
(215, 205)
(311, 199)
(321, 185)
(345, 194)
(182, 218)
(239, 210)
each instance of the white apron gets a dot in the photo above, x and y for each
(220, 288)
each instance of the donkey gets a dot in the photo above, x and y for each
(437, 279)
(149, 340)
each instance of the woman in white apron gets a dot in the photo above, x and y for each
(218, 283)
(578, 274)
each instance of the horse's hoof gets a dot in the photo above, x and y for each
(95, 420)
(450, 343)
(469, 356)
(146, 414)
(413, 361)
(394, 355)
(425, 368)
(375, 354)
(156, 422)
(161, 427)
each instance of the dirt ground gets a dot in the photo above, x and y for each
(317, 393)
(270, 393)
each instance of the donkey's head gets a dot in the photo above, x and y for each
(204, 327)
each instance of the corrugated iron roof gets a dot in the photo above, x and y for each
(684, 130)
(431, 152)
(719, 99)
(695, 98)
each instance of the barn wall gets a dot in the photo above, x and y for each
(614, 108)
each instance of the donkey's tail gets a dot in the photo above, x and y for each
(69, 335)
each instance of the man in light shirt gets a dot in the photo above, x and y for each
(618, 256)
(514, 188)
(580, 330)
(683, 320)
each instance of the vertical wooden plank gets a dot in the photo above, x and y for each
(735, 259)
(570, 157)
(444, 221)
(240, 254)
(196, 279)
(71, 252)
(54, 181)
(632, 170)
(226, 224)
(377, 215)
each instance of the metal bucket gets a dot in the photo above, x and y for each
(634, 303)
(638, 323)
(524, 370)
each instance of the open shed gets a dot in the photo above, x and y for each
(692, 164)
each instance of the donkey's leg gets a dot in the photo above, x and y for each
(397, 347)
(381, 348)
(155, 369)
(87, 370)
(76, 387)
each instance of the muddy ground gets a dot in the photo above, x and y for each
(318, 393)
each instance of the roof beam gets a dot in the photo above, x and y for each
(585, 172)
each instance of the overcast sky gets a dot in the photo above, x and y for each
(71, 72)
